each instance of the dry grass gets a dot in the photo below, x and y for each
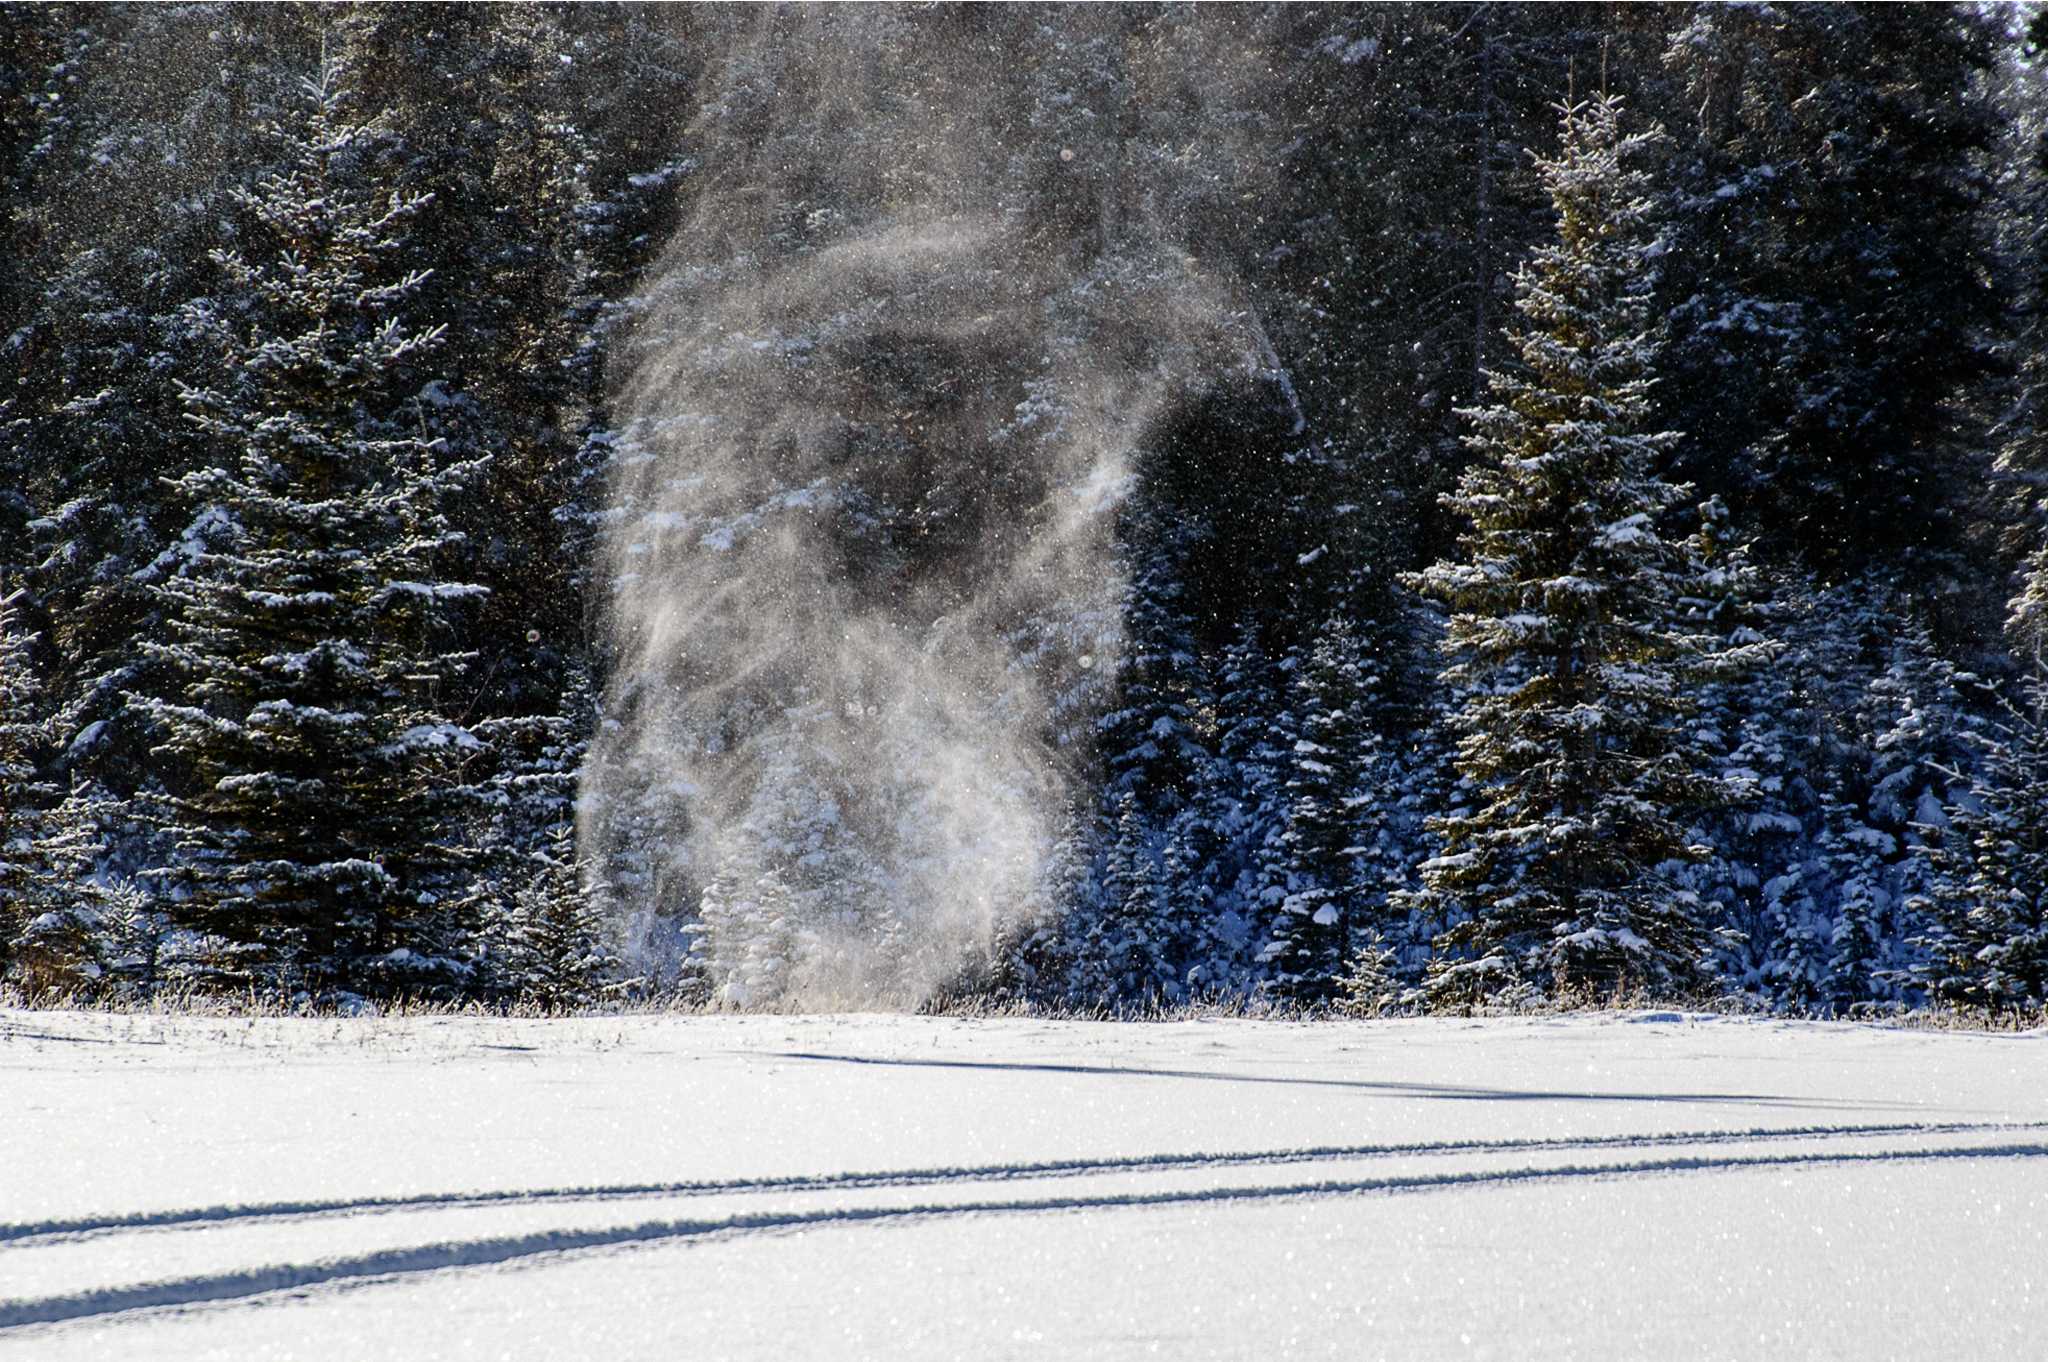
(194, 1001)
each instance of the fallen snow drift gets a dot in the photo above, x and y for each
(1629, 1186)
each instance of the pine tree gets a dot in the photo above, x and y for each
(745, 940)
(1564, 603)
(1829, 291)
(547, 940)
(23, 792)
(1745, 727)
(1124, 958)
(1148, 740)
(1041, 957)
(1918, 733)
(2022, 461)
(1245, 798)
(94, 925)
(1760, 880)
(151, 117)
(1426, 784)
(1337, 838)
(1806, 846)
(1857, 857)
(794, 902)
(476, 101)
(320, 813)
(1371, 984)
(1189, 894)
(546, 937)
(1988, 941)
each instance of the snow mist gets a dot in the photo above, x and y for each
(934, 287)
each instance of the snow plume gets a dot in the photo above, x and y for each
(935, 286)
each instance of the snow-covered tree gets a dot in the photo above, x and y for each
(1038, 961)
(1829, 293)
(93, 926)
(745, 940)
(476, 101)
(1918, 730)
(320, 810)
(23, 792)
(794, 887)
(1243, 798)
(545, 935)
(545, 939)
(1147, 740)
(1563, 621)
(2022, 460)
(149, 118)
(1987, 945)
(1338, 841)
(1124, 958)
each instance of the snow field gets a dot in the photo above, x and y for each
(900, 1187)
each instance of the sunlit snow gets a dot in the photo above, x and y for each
(1647, 1185)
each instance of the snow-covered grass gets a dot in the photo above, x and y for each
(193, 1000)
(1645, 1184)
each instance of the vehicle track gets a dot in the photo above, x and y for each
(36, 1233)
(242, 1285)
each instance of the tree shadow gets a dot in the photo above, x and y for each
(15, 1033)
(1447, 1092)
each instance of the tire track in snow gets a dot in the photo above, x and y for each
(393, 1264)
(39, 1233)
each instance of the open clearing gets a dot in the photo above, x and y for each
(1625, 1186)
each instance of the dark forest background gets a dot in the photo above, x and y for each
(314, 321)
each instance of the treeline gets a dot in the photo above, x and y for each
(1623, 570)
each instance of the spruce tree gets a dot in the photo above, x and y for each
(1337, 838)
(23, 792)
(1124, 958)
(483, 128)
(1147, 740)
(94, 926)
(548, 942)
(792, 892)
(1829, 291)
(745, 939)
(1039, 959)
(546, 937)
(1187, 883)
(319, 811)
(151, 117)
(1987, 943)
(1564, 600)
(1255, 736)
(2022, 460)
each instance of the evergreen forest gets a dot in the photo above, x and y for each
(1368, 507)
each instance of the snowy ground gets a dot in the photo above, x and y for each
(1638, 1186)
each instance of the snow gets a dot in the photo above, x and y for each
(439, 735)
(433, 591)
(1635, 529)
(87, 739)
(1654, 1184)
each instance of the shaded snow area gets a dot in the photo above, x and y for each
(1644, 1185)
